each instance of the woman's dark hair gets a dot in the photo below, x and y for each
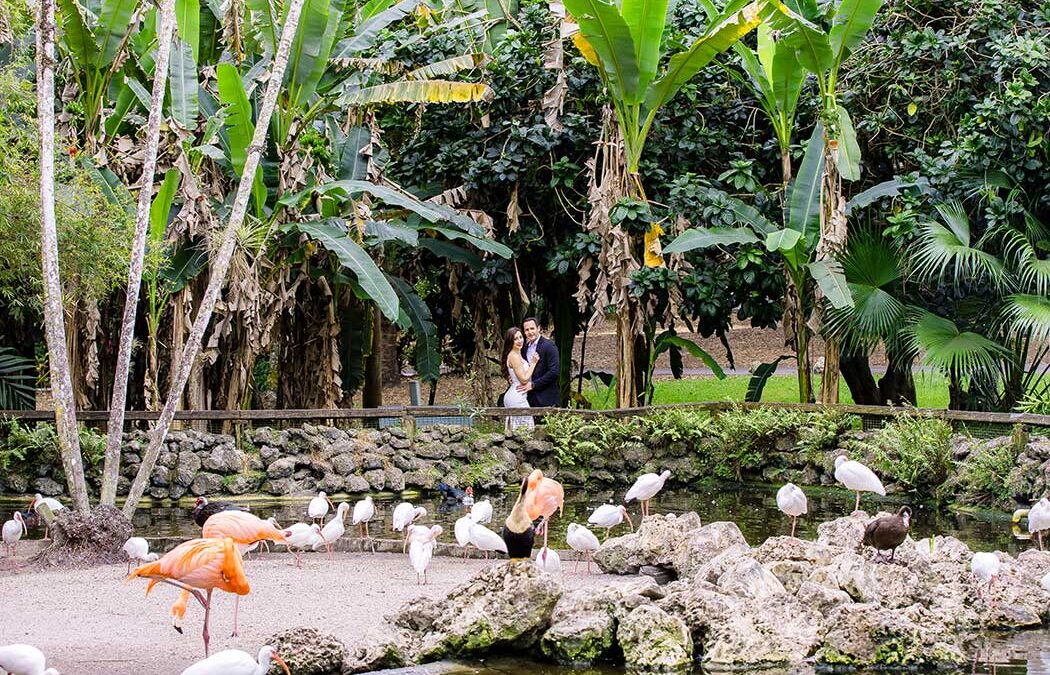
(508, 347)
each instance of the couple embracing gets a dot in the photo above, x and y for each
(530, 363)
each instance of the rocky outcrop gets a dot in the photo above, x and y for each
(309, 651)
(655, 543)
(654, 641)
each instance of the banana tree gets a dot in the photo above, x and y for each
(796, 242)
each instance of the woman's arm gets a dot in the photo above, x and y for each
(517, 364)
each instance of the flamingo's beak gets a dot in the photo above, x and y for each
(281, 662)
(629, 521)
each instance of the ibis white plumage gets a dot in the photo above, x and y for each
(404, 515)
(137, 550)
(985, 567)
(236, 662)
(548, 560)
(583, 541)
(857, 477)
(486, 540)
(481, 511)
(318, 507)
(462, 530)
(302, 536)
(792, 501)
(19, 659)
(364, 511)
(645, 488)
(1039, 519)
(12, 531)
(609, 516)
(51, 503)
(333, 529)
(421, 549)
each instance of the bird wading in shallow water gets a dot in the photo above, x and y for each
(857, 477)
(645, 488)
(792, 501)
(236, 662)
(199, 566)
(518, 531)
(24, 660)
(887, 533)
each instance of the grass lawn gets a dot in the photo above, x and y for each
(930, 388)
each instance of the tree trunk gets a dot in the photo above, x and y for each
(801, 342)
(54, 313)
(138, 255)
(897, 386)
(222, 260)
(372, 392)
(626, 376)
(856, 370)
(833, 232)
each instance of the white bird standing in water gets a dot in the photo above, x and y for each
(236, 662)
(583, 541)
(481, 511)
(985, 566)
(24, 660)
(318, 507)
(1039, 520)
(645, 488)
(137, 549)
(550, 563)
(12, 532)
(421, 549)
(462, 530)
(792, 501)
(609, 516)
(857, 477)
(486, 540)
(333, 529)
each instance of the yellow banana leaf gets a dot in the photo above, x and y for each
(653, 250)
(419, 91)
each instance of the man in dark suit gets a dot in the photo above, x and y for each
(542, 390)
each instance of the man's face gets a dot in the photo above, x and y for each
(532, 331)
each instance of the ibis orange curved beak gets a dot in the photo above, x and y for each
(281, 663)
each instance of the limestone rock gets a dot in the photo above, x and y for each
(654, 543)
(281, 468)
(697, 547)
(654, 641)
(47, 487)
(186, 468)
(331, 483)
(344, 464)
(161, 476)
(376, 478)
(821, 598)
(224, 458)
(770, 630)
(377, 651)
(205, 483)
(356, 484)
(866, 635)
(309, 651)
(394, 478)
(748, 579)
(847, 532)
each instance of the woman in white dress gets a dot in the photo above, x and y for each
(517, 371)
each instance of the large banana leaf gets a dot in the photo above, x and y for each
(605, 29)
(786, 242)
(448, 66)
(814, 50)
(701, 237)
(852, 22)
(188, 17)
(804, 198)
(646, 20)
(848, 159)
(890, 188)
(114, 22)
(350, 164)
(384, 193)
(312, 47)
(481, 243)
(124, 99)
(454, 253)
(239, 126)
(183, 84)
(418, 91)
(332, 235)
(76, 37)
(263, 20)
(828, 275)
(367, 32)
(161, 208)
(427, 356)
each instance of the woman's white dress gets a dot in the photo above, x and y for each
(516, 399)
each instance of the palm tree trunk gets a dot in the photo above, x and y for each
(54, 314)
(372, 392)
(138, 254)
(222, 260)
(833, 232)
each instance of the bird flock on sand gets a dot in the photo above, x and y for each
(215, 560)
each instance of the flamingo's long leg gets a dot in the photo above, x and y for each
(236, 606)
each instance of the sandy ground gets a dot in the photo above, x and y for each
(89, 622)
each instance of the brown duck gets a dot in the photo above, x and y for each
(887, 533)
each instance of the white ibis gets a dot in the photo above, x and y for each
(481, 512)
(486, 540)
(985, 566)
(404, 515)
(857, 477)
(609, 516)
(53, 504)
(236, 662)
(137, 550)
(462, 530)
(12, 531)
(302, 536)
(24, 660)
(583, 541)
(548, 560)
(421, 549)
(792, 501)
(318, 507)
(645, 488)
(1039, 519)
(333, 529)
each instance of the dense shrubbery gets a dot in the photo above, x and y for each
(915, 450)
(30, 445)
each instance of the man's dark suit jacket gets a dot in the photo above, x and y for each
(545, 390)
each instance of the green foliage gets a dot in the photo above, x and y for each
(1036, 403)
(675, 425)
(985, 476)
(914, 450)
(35, 445)
(577, 438)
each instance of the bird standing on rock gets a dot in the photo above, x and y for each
(645, 488)
(985, 567)
(888, 532)
(24, 660)
(857, 477)
(583, 541)
(12, 531)
(518, 531)
(236, 662)
(609, 516)
(792, 501)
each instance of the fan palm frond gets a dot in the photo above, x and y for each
(873, 270)
(946, 348)
(1029, 314)
(946, 246)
